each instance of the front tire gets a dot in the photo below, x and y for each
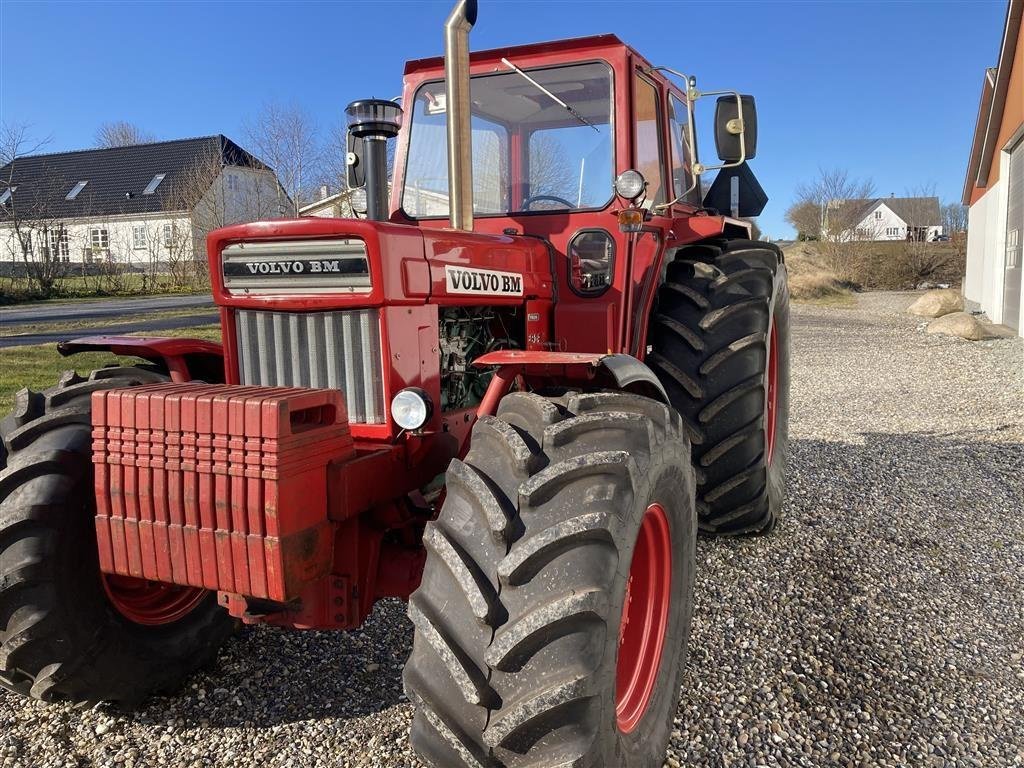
(554, 611)
(68, 632)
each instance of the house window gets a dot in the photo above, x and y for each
(139, 236)
(232, 182)
(7, 194)
(878, 215)
(75, 190)
(57, 240)
(99, 239)
(168, 235)
(153, 184)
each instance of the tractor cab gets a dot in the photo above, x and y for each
(583, 144)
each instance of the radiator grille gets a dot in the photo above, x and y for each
(325, 350)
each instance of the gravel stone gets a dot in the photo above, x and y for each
(884, 627)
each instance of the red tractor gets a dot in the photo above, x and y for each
(511, 395)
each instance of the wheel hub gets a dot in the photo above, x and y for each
(771, 396)
(150, 603)
(644, 624)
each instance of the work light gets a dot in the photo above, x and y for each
(630, 184)
(411, 408)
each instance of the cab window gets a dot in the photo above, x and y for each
(649, 150)
(682, 154)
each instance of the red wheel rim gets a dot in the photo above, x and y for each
(644, 619)
(150, 603)
(771, 395)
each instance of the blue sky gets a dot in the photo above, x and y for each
(888, 90)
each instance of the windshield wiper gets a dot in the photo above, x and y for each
(549, 94)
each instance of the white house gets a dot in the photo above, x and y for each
(336, 206)
(994, 186)
(888, 218)
(142, 205)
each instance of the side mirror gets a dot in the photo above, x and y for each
(356, 169)
(729, 127)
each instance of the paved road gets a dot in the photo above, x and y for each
(89, 329)
(98, 310)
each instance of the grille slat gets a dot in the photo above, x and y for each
(324, 350)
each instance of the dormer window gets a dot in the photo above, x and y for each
(75, 190)
(151, 187)
(7, 195)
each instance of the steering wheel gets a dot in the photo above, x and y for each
(553, 198)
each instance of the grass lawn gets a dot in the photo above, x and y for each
(39, 367)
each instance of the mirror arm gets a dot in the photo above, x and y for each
(697, 169)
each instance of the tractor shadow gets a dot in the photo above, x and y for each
(892, 553)
(889, 591)
(264, 677)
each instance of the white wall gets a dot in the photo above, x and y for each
(986, 249)
(888, 227)
(121, 243)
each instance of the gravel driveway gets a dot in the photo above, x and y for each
(882, 624)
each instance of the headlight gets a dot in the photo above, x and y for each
(411, 408)
(630, 184)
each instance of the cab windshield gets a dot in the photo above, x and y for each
(530, 153)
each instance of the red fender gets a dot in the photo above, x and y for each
(185, 359)
(623, 372)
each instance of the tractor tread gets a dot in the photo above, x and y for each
(566, 509)
(711, 357)
(71, 646)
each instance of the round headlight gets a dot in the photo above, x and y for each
(411, 408)
(630, 184)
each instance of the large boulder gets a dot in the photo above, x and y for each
(964, 325)
(938, 303)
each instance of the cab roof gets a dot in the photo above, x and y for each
(523, 51)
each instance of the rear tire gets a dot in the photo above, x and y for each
(62, 635)
(720, 322)
(519, 617)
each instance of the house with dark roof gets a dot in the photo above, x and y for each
(139, 205)
(887, 218)
(994, 186)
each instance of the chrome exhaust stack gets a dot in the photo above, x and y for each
(456, 83)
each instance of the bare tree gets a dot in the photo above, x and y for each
(830, 209)
(550, 172)
(805, 217)
(921, 260)
(36, 235)
(121, 133)
(954, 218)
(285, 137)
(211, 201)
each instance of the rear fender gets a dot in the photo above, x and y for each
(184, 359)
(621, 372)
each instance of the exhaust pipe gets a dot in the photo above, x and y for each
(456, 84)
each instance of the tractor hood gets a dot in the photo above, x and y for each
(320, 264)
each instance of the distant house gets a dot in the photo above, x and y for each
(994, 187)
(886, 218)
(336, 206)
(141, 204)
